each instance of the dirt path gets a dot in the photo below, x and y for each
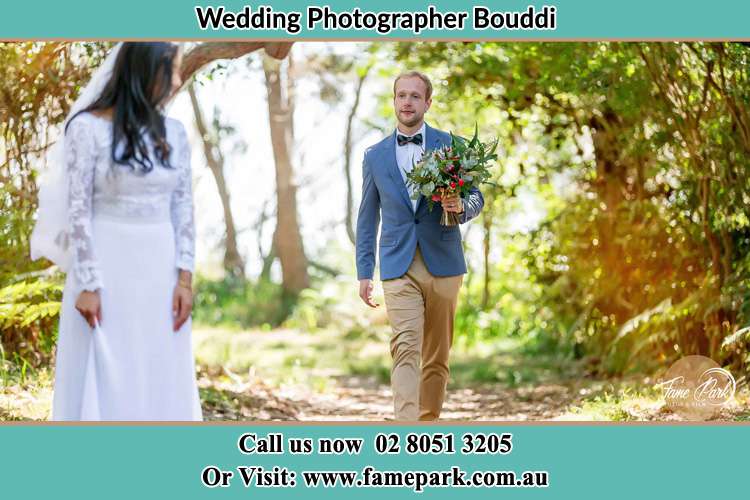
(363, 399)
(544, 392)
(358, 399)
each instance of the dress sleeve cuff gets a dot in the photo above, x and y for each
(186, 264)
(89, 279)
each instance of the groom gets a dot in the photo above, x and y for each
(421, 262)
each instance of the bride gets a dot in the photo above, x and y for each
(124, 348)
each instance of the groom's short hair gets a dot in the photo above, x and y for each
(413, 74)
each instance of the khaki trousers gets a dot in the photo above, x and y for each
(421, 309)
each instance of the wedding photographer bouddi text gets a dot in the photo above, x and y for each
(265, 18)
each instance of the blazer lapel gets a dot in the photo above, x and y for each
(390, 158)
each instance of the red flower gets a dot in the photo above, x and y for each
(453, 185)
(460, 182)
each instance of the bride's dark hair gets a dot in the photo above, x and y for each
(141, 81)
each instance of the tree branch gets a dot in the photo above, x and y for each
(205, 53)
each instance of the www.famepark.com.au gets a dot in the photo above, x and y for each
(369, 477)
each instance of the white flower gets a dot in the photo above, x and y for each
(432, 165)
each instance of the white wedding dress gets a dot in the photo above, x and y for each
(130, 233)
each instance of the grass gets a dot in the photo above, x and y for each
(617, 404)
(289, 357)
(503, 361)
(634, 399)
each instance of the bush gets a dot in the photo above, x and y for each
(28, 319)
(239, 303)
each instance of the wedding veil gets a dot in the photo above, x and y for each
(50, 235)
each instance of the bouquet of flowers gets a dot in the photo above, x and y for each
(452, 170)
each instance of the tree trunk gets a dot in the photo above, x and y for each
(349, 222)
(270, 257)
(287, 237)
(487, 225)
(233, 263)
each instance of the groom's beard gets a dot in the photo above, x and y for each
(414, 120)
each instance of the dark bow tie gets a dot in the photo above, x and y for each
(403, 140)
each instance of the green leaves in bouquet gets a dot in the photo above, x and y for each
(458, 143)
(478, 172)
(475, 139)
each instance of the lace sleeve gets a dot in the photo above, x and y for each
(80, 161)
(182, 205)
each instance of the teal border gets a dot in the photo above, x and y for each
(584, 461)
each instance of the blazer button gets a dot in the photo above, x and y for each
(416, 221)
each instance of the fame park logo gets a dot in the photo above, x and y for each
(696, 388)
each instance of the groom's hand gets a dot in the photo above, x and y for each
(365, 292)
(452, 203)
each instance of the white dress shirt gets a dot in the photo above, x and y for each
(407, 155)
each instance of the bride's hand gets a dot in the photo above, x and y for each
(90, 306)
(182, 300)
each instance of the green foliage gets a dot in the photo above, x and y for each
(334, 303)
(38, 83)
(28, 319)
(239, 303)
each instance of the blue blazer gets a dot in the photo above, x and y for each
(384, 194)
